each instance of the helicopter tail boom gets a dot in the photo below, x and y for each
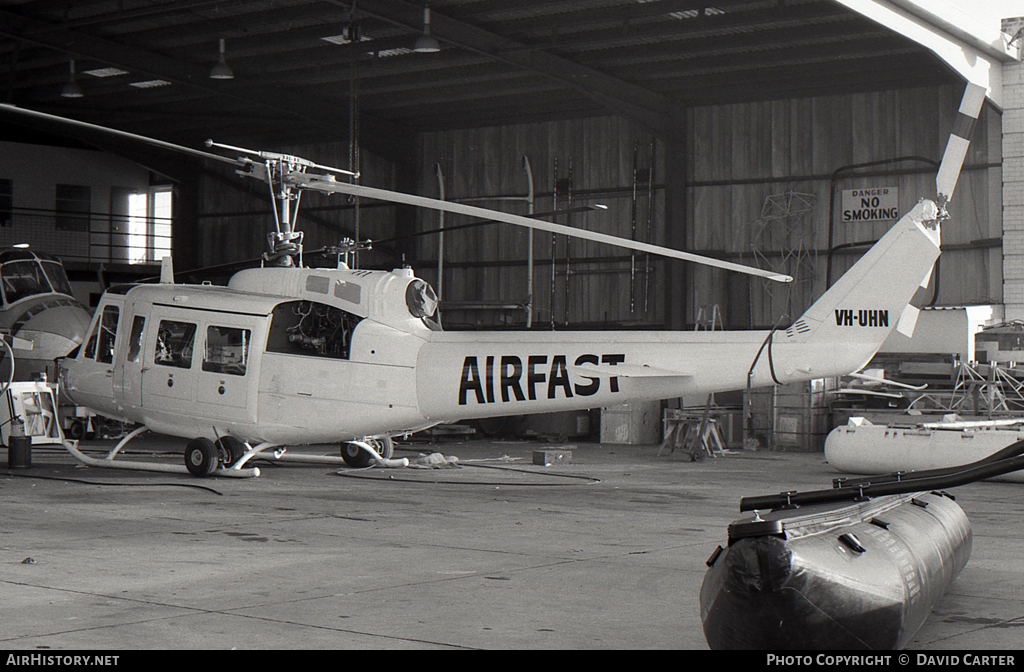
(463, 375)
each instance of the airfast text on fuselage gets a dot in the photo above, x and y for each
(508, 378)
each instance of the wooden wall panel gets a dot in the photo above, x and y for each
(830, 135)
(873, 125)
(801, 148)
(587, 162)
(918, 131)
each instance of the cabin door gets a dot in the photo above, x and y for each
(227, 373)
(90, 376)
(128, 371)
(170, 363)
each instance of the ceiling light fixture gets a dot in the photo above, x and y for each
(353, 31)
(150, 84)
(105, 72)
(222, 70)
(426, 44)
(71, 88)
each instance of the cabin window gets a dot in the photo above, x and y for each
(135, 340)
(107, 335)
(227, 350)
(174, 344)
(312, 329)
(22, 279)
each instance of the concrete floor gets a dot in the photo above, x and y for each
(606, 552)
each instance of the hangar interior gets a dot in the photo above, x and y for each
(733, 129)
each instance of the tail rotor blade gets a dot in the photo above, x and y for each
(959, 141)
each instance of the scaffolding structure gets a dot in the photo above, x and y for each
(990, 390)
(782, 242)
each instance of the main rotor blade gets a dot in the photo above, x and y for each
(123, 134)
(959, 141)
(305, 181)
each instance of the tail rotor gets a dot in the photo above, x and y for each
(956, 146)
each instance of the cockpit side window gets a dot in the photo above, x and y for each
(107, 335)
(90, 344)
(135, 340)
(174, 344)
(312, 329)
(21, 279)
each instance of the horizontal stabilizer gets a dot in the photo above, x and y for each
(886, 381)
(869, 393)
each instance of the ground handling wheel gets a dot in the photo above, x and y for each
(358, 458)
(201, 457)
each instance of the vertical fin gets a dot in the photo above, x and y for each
(872, 296)
(166, 271)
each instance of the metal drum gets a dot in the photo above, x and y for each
(19, 452)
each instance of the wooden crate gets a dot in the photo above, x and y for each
(637, 423)
(790, 417)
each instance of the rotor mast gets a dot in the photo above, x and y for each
(284, 244)
(283, 175)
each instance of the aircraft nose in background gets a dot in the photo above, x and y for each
(56, 331)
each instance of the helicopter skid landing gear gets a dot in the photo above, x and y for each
(371, 452)
(110, 463)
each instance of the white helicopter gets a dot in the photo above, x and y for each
(290, 355)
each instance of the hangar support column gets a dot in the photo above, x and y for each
(1013, 189)
(676, 290)
(185, 234)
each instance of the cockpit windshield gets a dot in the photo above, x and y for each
(58, 279)
(21, 279)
